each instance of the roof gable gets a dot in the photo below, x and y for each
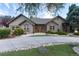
(59, 17)
(15, 18)
(21, 15)
(55, 19)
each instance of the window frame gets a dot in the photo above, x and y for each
(52, 27)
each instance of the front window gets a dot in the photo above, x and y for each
(52, 27)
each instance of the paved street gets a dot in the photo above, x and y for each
(24, 42)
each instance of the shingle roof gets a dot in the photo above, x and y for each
(41, 20)
(38, 20)
(45, 20)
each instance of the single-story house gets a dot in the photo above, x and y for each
(35, 25)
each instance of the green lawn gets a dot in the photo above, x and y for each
(57, 50)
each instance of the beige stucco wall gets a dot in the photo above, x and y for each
(57, 27)
(59, 21)
(27, 25)
(52, 24)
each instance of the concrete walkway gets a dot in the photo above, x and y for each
(24, 42)
(76, 50)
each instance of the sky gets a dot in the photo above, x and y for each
(10, 9)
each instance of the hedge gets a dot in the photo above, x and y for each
(59, 33)
(76, 33)
(51, 32)
(62, 33)
(4, 33)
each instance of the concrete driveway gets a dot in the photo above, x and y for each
(24, 42)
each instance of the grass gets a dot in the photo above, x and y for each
(56, 50)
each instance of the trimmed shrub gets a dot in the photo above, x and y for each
(59, 33)
(50, 32)
(18, 31)
(4, 33)
(62, 33)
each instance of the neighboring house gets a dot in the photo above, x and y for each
(4, 20)
(34, 25)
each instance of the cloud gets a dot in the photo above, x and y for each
(7, 5)
(1, 14)
(45, 14)
(48, 15)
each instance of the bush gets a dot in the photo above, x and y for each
(50, 32)
(62, 33)
(59, 33)
(76, 33)
(18, 31)
(4, 33)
